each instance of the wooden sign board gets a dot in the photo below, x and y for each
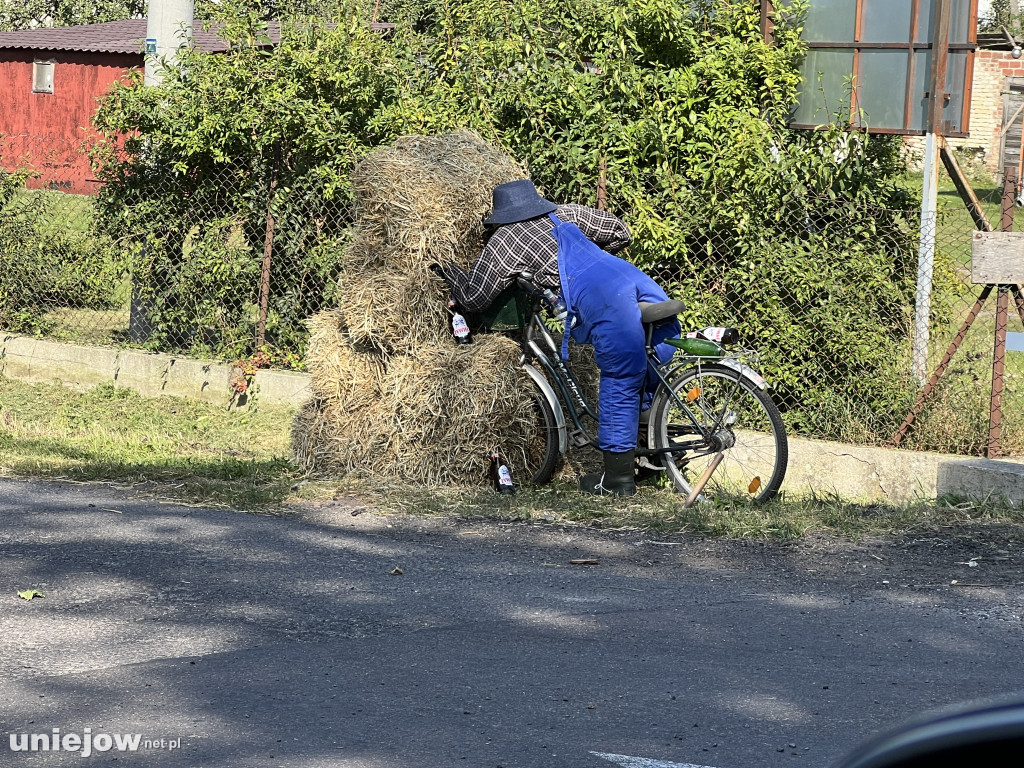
(997, 258)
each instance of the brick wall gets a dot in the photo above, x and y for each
(991, 71)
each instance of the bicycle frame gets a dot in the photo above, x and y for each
(540, 346)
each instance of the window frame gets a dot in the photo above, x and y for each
(910, 47)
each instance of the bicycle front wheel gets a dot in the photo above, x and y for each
(542, 452)
(745, 426)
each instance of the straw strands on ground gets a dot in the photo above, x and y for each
(394, 396)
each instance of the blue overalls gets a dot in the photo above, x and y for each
(602, 292)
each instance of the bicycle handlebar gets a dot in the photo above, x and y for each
(525, 281)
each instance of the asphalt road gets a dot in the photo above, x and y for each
(256, 641)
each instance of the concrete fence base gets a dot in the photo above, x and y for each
(149, 374)
(887, 475)
(855, 473)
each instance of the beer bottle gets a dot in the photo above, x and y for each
(501, 475)
(724, 336)
(459, 325)
(556, 302)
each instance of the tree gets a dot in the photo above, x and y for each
(26, 14)
(1003, 13)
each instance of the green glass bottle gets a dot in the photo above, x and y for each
(697, 347)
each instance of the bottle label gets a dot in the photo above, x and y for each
(459, 326)
(504, 476)
(713, 334)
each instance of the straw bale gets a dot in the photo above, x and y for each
(426, 196)
(338, 371)
(581, 359)
(452, 406)
(366, 251)
(393, 394)
(394, 311)
(432, 418)
(329, 439)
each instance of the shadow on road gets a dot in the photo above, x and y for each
(371, 641)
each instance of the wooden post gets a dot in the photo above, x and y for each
(602, 184)
(767, 25)
(940, 60)
(964, 188)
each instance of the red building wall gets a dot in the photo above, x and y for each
(45, 131)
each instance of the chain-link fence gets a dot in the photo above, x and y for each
(968, 396)
(217, 264)
(226, 265)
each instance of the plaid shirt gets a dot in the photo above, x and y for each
(529, 246)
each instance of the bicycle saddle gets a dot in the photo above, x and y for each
(652, 313)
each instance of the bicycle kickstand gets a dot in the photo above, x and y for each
(699, 486)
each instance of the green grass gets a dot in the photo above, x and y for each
(199, 453)
(659, 512)
(72, 213)
(176, 448)
(956, 417)
(88, 326)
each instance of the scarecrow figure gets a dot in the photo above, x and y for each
(568, 248)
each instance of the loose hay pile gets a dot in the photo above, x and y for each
(393, 394)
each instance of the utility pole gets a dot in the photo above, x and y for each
(168, 28)
(930, 191)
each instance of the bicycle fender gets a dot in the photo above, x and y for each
(556, 407)
(746, 372)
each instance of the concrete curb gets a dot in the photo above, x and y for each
(888, 475)
(856, 473)
(149, 374)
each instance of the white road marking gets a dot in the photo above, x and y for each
(643, 762)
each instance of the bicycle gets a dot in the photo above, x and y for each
(711, 426)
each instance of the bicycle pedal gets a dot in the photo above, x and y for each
(579, 439)
(646, 464)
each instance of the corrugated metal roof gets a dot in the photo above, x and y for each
(110, 37)
(993, 41)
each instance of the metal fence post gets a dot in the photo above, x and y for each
(995, 413)
(268, 249)
(929, 192)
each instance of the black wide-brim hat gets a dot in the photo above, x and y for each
(517, 201)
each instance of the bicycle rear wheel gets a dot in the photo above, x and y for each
(748, 431)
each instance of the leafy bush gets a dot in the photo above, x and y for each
(804, 240)
(47, 263)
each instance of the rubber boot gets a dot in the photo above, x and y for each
(617, 479)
